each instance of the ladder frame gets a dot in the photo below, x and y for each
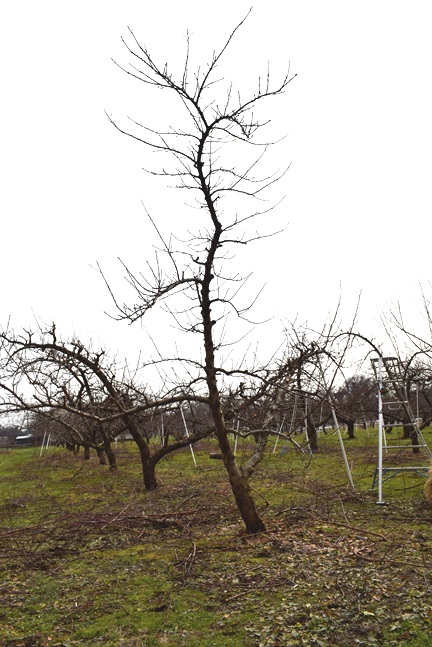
(392, 367)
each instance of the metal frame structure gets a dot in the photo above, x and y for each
(392, 393)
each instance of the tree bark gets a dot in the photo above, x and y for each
(148, 465)
(101, 456)
(149, 475)
(240, 487)
(112, 460)
(312, 435)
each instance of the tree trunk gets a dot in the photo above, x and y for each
(148, 465)
(86, 453)
(410, 432)
(415, 441)
(350, 426)
(110, 454)
(101, 456)
(238, 481)
(260, 446)
(312, 435)
(407, 430)
(240, 489)
(149, 475)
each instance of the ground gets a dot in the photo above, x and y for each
(90, 559)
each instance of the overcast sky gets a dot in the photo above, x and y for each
(359, 139)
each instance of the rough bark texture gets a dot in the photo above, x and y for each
(312, 435)
(410, 433)
(101, 456)
(112, 461)
(148, 465)
(350, 427)
(258, 453)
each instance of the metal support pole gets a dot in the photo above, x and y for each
(162, 431)
(187, 434)
(336, 423)
(43, 443)
(279, 431)
(380, 432)
(306, 423)
(236, 438)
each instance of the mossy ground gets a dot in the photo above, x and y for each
(88, 558)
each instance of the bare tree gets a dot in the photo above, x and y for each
(355, 400)
(84, 394)
(214, 124)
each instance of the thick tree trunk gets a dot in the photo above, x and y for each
(407, 429)
(415, 441)
(149, 475)
(240, 488)
(350, 426)
(148, 465)
(112, 461)
(86, 453)
(410, 432)
(238, 481)
(101, 456)
(312, 435)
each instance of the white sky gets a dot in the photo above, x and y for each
(358, 117)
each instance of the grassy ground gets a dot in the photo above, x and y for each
(88, 558)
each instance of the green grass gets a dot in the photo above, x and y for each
(89, 558)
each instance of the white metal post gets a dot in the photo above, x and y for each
(336, 423)
(279, 431)
(236, 438)
(276, 443)
(187, 434)
(43, 443)
(162, 430)
(380, 431)
(347, 467)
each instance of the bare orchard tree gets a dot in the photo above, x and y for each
(84, 393)
(214, 124)
(355, 400)
(258, 407)
(419, 343)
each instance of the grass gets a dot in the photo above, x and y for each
(88, 558)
